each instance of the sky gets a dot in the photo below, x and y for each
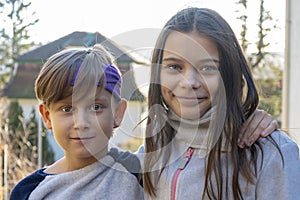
(118, 18)
(136, 23)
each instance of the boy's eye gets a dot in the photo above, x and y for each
(174, 67)
(67, 109)
(96, 107)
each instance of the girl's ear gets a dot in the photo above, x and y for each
(119, 114)
(44, 110)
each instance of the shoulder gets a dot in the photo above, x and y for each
(127, 159)
(280, 145)
(281, 139)
(24, 188)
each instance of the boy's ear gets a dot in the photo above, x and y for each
(44, 110)
(119, 114)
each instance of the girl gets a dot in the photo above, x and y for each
(201, 93)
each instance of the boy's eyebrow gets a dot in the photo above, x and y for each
(101, 99)
(171, 59)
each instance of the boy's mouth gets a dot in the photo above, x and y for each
(81, 138)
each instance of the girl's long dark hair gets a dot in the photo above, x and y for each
(237, 78)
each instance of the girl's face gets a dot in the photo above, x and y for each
(189, 74)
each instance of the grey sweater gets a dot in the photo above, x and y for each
(105, 179)
(277, 179)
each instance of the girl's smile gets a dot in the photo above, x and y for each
(190, 100)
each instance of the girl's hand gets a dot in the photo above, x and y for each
(259, 124)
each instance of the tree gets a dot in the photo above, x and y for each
(14, 37)
(14, 136)
(19, 136)
(264, 28)
(262, 61)
(22, 139)
(23, 135)
(15, 116)
(243, 18)
(32, 128)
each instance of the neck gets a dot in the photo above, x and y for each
(69, 163)
(191, 133)
(200, 133)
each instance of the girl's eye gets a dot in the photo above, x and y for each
(209, 68)
(67, 109)
(96, 107)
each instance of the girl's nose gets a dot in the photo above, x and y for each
(191, 79)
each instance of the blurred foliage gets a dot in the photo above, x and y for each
(14, 36)
(32, 127)
(265, 24)
(132, 145)
(21, 139)
(268, 78)
(267, 66)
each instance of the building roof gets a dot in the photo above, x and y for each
(21, 85)
(29, 64)
(75, 39)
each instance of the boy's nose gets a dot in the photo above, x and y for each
(80, 120)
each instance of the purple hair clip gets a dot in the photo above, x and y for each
(78, 64)
(113, 80)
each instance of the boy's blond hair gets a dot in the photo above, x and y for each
(83, 66)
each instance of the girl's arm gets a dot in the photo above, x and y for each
(259, 124)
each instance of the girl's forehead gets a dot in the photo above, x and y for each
(190, 46)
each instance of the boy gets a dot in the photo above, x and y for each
(79, 90)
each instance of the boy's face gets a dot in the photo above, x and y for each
(83, 128)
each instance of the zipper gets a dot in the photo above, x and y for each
(181, 167)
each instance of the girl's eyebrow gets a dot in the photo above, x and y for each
(202, 60)
(205, 60)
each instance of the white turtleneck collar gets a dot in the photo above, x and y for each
(194, 133)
